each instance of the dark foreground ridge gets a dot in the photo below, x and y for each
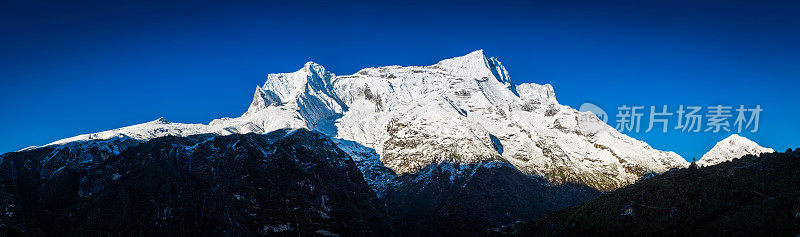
(749, 196)
(287, 182)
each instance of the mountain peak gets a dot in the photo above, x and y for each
(734, 146)
(311, 66)
(477, 56)
(477, 65)
(736, 140)
(477, 53)
(160, 120)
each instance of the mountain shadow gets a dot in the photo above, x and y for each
(463, 199)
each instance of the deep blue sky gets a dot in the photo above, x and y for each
(89, 66)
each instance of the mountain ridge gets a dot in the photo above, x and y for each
(462, 110)
(286, 182)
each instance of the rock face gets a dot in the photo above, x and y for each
(734, 146)
(749, 196)
(288, 182)
(463, 110)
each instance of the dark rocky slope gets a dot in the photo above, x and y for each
(749, 196)
(456, 200)
(285, 182)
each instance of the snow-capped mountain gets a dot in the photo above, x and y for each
(732, 147)
(460, 110)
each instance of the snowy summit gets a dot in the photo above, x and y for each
(732, 147)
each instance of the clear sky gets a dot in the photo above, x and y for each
(90, 66)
